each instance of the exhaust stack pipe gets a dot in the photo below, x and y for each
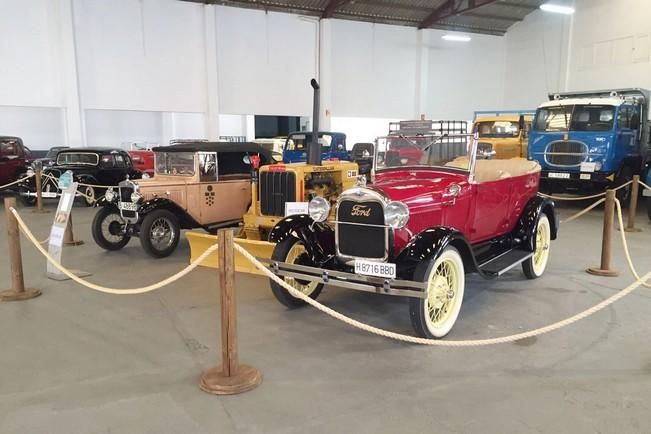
(314, 150)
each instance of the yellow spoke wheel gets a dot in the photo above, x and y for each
(434, 315)
(534, 267)
(292, 251)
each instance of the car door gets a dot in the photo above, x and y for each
(628, 122)
(491, 214)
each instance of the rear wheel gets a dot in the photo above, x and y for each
(434, 316)
(160, 233)
(292, 251)
(534, 267)
(108, 229)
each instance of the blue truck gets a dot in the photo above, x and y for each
(333, 146)
(591, 140)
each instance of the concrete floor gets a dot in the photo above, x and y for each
(77, 361)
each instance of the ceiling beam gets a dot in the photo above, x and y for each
(451, 8)
(332, 6)
(517, 5)
(493, 17)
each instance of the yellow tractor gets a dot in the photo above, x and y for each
(279, 190)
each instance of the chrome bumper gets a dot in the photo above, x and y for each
(378, 285)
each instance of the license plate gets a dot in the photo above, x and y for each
(129, 206)
(377, 269)
(585, 176)
(558, 175)
(48, 194)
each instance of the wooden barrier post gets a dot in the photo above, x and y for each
(38, 177)
(607, 238)
(230, 377)
(18, 290)
(69, 236)
(632, 206)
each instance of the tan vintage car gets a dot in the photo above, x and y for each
(196, 185)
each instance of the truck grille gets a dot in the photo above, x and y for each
(357, 240)
(276, 188)
(566, 153)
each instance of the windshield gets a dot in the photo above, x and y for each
(300, 142)
(83, 158)
(575, 118)
(423, 150)
(490, 129)
(175, 163)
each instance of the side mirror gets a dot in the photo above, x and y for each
(340, 147)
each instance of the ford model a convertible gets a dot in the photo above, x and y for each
(196, 185)
(418, 230)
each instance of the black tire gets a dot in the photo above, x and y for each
(101, 230)
(448, 263)
(624, 194)
(280, 254)
(160, 233)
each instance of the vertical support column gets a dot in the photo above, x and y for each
(168, 128)
(422, 74)
(632, 206)
(212, 73)
(249, 127)
(607, 238)
(18, 290)
(230, 377)
(75, 129)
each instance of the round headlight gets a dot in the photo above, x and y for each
(319, 209)
(109, 195)
(396, 215)
(135, 197)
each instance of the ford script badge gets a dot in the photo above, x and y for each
(360, 211)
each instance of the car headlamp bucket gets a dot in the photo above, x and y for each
(109, 195)
(319, 209)
(136, 197)
(396, 215)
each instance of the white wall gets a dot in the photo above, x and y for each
(39, 127)
(606, 44)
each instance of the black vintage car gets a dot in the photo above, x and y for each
(96, 166)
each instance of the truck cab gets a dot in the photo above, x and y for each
(591, 140)
(503, 134)
(333, 146)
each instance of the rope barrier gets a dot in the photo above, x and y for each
(602, 194)
(125, 291)
(442, 343)
(584, 211)
(620, 218)
(646, 187)
(18, 181)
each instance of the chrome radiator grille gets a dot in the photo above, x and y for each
(566, 153)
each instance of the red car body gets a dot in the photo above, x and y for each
(415, 232)
(143, 160)
(14, 159)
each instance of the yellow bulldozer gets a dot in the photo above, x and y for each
(279, 190)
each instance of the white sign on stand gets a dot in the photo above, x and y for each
(55, 245)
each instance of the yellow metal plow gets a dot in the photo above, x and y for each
(200, 242)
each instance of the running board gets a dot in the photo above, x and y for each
(504, 262)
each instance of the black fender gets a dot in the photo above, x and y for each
(318, 238)
(430, 243)
(525, 229)
(103, 202)
(185, 220)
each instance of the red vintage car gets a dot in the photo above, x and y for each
(417, 230)
(143, 160)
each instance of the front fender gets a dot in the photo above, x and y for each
(318, 238)
(186, 221)
(430, 243)
(526, 227)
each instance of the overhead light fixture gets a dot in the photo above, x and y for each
(557, 9)
(456, 38)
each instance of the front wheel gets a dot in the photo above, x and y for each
(160, 233)
(433, 316)
(108, 229)
(534, 267)
(292, 251)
